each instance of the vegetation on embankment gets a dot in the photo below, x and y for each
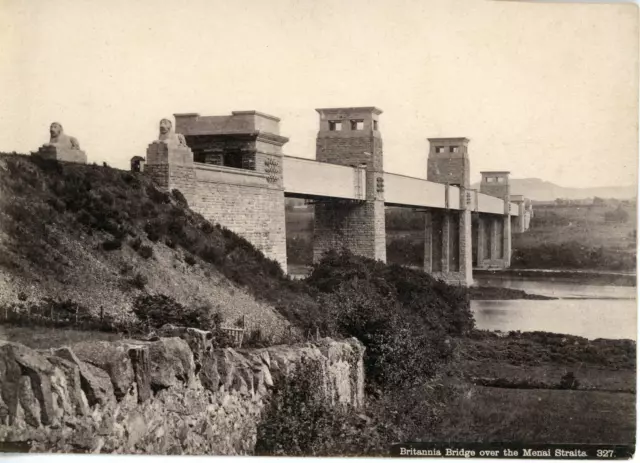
(406, 319)
(600, 236)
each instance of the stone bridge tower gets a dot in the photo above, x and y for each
(448, 240)
(351, 137)
(495, 231)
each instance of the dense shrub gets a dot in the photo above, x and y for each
(179, 197)
(569, 381)
(112, 245)
(404, 317)
(617, 215)
(158, 310)
(146, 252)
(299, 421)
(207, 228)
(135, 244)
(138, 281)
(537, 347)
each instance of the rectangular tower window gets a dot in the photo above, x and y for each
(490, 179)
(454, 149)
(375, 125)
(439, 149)
(500, 179)
(335, 126)
(357, 124)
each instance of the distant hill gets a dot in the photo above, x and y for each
(540, 190)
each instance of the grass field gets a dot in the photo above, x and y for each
(586, 224)
(487, 414)
(41, 337)
(579, 237)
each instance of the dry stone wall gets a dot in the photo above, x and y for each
(166, 395)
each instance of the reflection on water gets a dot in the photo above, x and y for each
(588, 310)
(590, 318)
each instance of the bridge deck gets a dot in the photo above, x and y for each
(309, 178)
(306, 177)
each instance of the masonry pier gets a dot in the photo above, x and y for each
(494, 232)
(447, 251)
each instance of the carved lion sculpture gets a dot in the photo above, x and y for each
(167, 135)
(59, 138)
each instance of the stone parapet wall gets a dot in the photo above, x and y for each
(166, 395)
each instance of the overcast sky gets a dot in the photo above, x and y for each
(542, 90)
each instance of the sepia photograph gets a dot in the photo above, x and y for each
(301, 228)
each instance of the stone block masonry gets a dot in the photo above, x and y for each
(448, 161)
(244, 202)
(356, 226)
(168, 395)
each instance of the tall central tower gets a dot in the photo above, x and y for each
(351, 137)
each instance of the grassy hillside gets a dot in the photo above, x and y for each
(101, 237)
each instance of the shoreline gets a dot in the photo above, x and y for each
(495, 293)
(583, 276)
(592, 277)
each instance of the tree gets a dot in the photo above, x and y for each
(617, 215)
